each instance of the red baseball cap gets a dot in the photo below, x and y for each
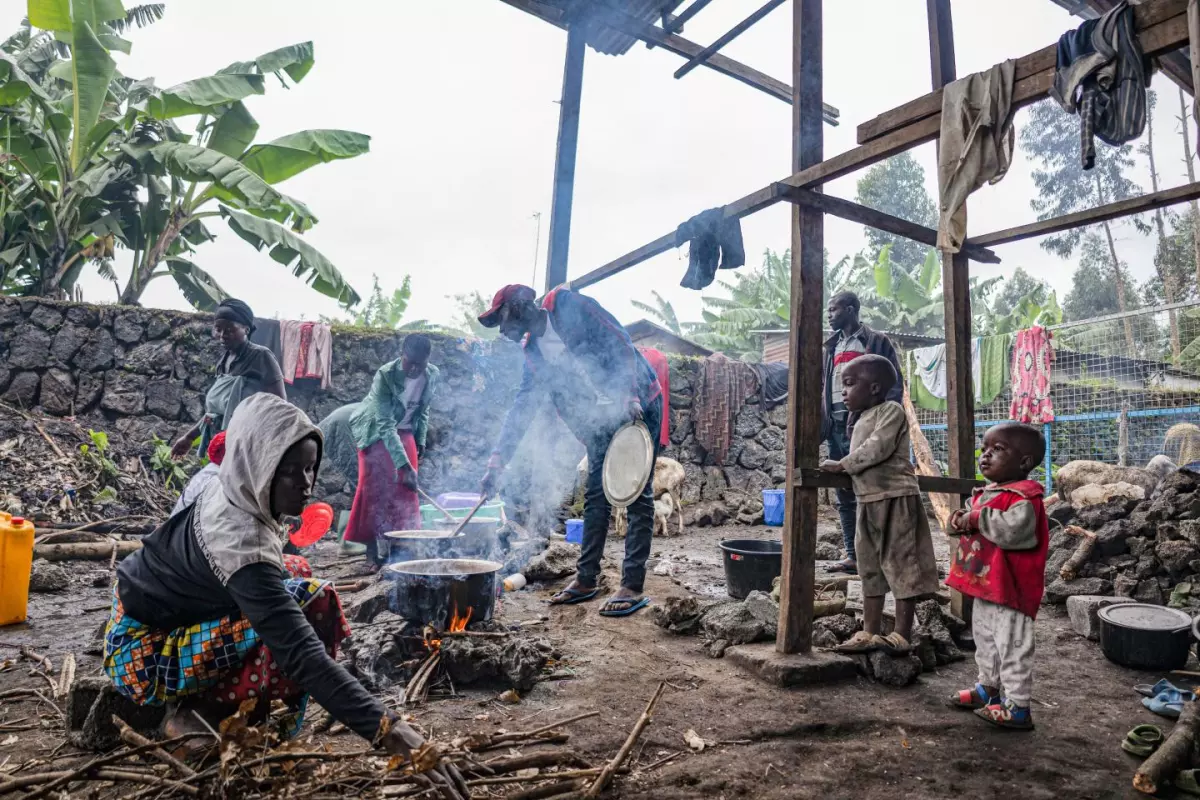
(512, 292)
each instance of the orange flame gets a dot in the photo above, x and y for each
(457, 624)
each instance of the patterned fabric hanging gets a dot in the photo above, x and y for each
(1033, 355)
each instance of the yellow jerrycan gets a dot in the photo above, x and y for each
(16, 561)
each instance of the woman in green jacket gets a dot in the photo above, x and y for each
(389, 430)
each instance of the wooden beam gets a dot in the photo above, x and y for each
(1160, 30)
(564, 158)
(681, 19)
(956, 294)
(1092, 216)
(935, 484)
(728, 36)
(1193, 26)
(854, 212)
(807, 345)
(1165, 35)
(652, 34)
(1175, 64)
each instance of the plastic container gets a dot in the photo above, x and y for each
(16, 561)
(491, 512)
(514, 583)
(773, 503)
(575, 531)
(751, 564)
(453, 500)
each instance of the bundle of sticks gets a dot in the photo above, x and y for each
(250, 767)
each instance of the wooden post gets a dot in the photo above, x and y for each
(960, 400)
(804, 391)
(564, 159)
(1193, 16)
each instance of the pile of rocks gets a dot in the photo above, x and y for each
(1147, 550)
(938, 639)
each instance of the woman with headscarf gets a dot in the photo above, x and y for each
(245, 368)
(210, 612)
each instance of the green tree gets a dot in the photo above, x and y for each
(897, 187)
(662, 312)
(1052, 140)
(120, 168)
(383, 310)
(469, 306)
(1016, 287)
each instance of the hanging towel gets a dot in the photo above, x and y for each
(1033, 355)
(658, 362)
(989, 365)
(976, 144)
(266, 333)
(1102, 74)
(725, 385)
(714, 237)
(928, 385)
(307, 351)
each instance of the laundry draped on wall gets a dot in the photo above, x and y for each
(725, 386)
(989, 372)
(307, 351)
(1032, 359)
(1102, 75)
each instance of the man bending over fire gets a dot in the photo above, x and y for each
(581, 357)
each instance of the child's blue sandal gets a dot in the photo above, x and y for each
(1006, 714)
(972, 699)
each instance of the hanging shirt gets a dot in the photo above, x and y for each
(410, 400)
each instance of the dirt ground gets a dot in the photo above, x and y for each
(848, 740)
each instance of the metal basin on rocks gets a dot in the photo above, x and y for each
(420, 545)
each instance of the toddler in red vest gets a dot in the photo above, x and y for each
(892, 541)
(1001, 562)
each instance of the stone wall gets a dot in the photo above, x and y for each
(142, 373)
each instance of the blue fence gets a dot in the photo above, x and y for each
(1146, 430)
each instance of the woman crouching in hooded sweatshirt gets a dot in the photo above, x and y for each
(210, 613)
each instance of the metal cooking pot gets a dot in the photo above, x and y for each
(1144, 636)
(433, 591)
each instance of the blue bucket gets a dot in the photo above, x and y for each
(773, 507)
(575, 531)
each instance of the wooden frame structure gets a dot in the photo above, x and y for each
(1163, 30)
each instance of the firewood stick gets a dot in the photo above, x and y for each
(563, 775)
(86, 551)
(38, 658)
(548, 791)
(559, 758)
(53, 780)
(66, 678)
(1157, 771)
(132, 737)
(1070, 570)
(506, 737)
(611, 767)
(412, 691)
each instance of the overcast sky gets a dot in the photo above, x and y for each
(460, 99)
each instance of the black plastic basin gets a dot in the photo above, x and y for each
(751, 564)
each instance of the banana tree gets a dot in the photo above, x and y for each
(57, 126)
(218, 172)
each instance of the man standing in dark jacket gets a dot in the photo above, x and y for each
(850, 340)
(579, 355)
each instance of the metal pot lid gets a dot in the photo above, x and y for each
(423, 534)
(628, 464)
(445, 567)
(1146, 617)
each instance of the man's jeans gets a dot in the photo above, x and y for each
(597, 511)
(847, 504)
